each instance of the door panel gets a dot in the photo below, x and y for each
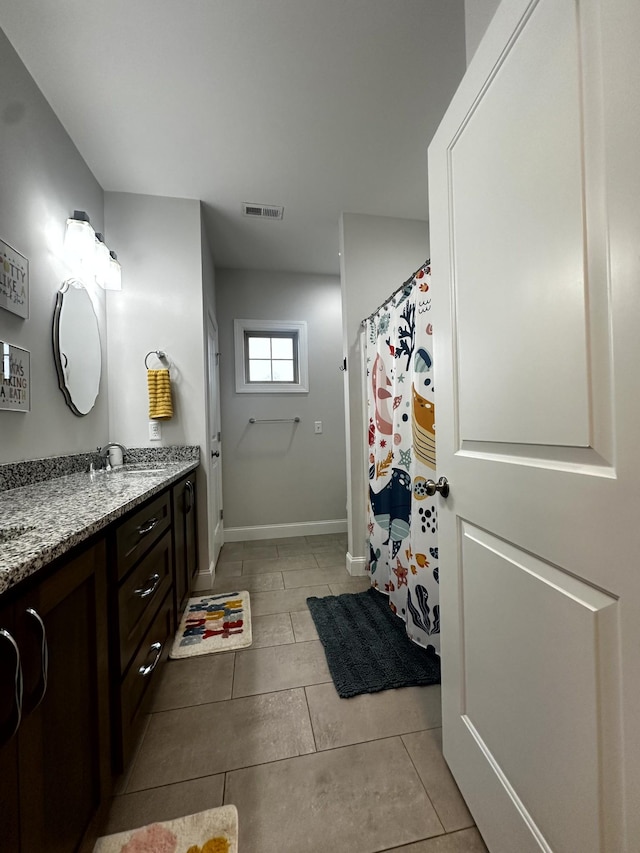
(533, 203)
(553, 640)
(528, 347)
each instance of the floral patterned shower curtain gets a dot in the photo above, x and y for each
(402, 518)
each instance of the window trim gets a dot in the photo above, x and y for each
(293, 327)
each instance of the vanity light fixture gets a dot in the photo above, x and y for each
(88, 255)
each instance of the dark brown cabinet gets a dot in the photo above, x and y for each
(10, 702)
(81, 644)
(55, 770)
(185, 540)
(142, 614)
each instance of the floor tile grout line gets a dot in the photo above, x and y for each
(233, 678)
(170, 784)
(367, 740)
(277, 761)
(249, 696)
(128, 771)
(428, 838)
(293, 631)
(282, 689)
(433, 805)
(313, 732)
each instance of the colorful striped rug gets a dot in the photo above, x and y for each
(213, 623)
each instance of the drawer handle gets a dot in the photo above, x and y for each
(44, 657)
(144, 671)
(146, 591)
(147, 527)
(17, 688)
(188, 493)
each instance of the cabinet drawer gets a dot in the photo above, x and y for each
(143, 673)
(138, 533)
(140, 595)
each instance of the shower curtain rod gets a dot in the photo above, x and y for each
(389, 298)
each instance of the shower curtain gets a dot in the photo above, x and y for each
(402, 518)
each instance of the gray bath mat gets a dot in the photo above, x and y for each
(366, 646)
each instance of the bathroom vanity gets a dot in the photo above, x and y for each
(93, 572)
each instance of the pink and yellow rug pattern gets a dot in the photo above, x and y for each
(212, 831)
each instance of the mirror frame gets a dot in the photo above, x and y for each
(57, 352)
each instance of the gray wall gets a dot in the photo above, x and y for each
(377, 253)
(477, 16)
(159, 308)
(43, 179)
(277, 473)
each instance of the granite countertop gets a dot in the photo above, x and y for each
(53, 516)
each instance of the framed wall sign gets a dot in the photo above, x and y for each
(15, 378)
(14, 281)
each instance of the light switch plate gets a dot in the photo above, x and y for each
(155, 431)
(317, 427)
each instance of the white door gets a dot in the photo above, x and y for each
(534, 179)
(216, 527)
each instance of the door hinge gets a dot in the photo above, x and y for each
(219, 436)
(221, 514)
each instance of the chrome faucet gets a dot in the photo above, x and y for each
(104, 451)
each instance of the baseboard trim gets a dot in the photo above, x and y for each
(285, 531)
(356, 566)
(204, 580)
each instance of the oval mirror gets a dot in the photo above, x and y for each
(76, 346)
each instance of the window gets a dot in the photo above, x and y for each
(271, 356)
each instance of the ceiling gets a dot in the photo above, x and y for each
(322, 106)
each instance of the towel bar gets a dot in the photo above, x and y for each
(295, 420)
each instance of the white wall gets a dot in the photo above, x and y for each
(43, 179)
(276, 474)
(160, 307)
(477, 15)
(377, 254)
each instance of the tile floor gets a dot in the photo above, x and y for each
(264, 728)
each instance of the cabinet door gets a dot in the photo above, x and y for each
(64, 736)
(191, 529)
(181, 572)
(185, 539)
(9, 704)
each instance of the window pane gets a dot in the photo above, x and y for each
(282, 371)
(282, 348)
(259, 370)
(259, 347)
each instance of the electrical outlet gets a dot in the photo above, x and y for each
(317, 427)
(155, 431)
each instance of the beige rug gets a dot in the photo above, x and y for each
(213, 831)
(214, 623)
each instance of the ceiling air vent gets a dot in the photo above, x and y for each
(262, 211)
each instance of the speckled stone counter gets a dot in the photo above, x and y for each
(44, 520)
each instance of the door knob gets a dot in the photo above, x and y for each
(215, 453)
(441, 486)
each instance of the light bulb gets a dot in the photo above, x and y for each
(79, 244)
